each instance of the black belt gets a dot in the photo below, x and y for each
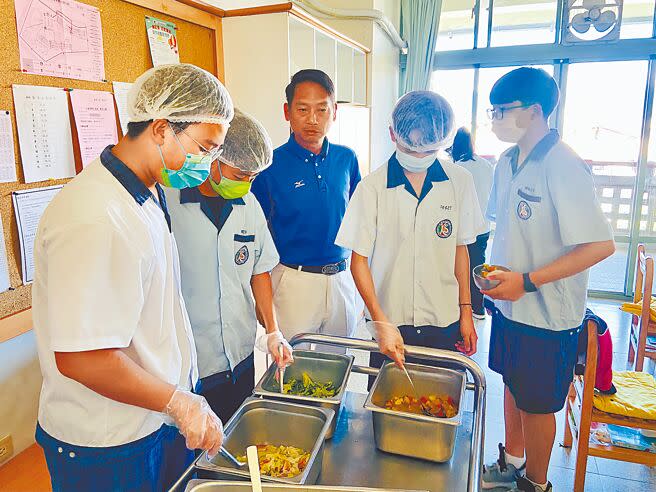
(330, 269)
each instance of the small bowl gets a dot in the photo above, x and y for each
(486, 283)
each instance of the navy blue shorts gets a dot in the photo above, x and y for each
(150, 464)
(537, 365)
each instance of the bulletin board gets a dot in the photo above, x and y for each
(127, 55)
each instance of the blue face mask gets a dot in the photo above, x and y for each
(194, 171)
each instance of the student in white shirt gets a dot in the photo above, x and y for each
(226, 255)
(549, 231)
(462, 153)
(409, 224)
(114, 341)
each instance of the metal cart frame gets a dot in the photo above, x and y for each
(478, 386)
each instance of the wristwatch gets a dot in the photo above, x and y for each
(528, 285)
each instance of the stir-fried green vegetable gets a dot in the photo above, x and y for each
(308, 387)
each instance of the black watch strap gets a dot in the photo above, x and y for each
(528, 285)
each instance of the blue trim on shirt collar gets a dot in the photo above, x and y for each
(303, 153)
(396, 177)
(193, 195)
(133, 185)
(538, 153)
(125, 176)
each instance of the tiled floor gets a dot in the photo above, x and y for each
(603, 475)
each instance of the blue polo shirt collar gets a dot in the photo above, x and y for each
(133, 185)
(396, 177)
(303, 153)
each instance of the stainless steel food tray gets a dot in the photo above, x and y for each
(320, 366)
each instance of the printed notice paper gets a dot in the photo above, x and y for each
(44, 132)
(163, 41)
(95, 121)
(60, 38)
(7, 156)
(4, 270)
(28, 207)
(121, 90)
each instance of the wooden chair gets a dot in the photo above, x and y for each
(642, 326)
(580, 414)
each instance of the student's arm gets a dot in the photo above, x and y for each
(365, 284)
(581, 224)
(579, 259)
(389, 341)
(467, 329)
(114, 375)
(263, 294)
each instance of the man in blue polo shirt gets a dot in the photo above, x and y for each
(304, 195)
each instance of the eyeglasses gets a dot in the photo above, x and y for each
(497, 113)
(213, 154)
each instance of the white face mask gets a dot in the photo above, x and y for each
(507, 130)
(415, 164)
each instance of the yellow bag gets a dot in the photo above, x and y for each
(635, 397)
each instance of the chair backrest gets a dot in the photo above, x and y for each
(644, 280)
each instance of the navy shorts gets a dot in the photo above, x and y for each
(150, 464)
(537, 365)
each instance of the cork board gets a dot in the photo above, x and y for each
(127, 56)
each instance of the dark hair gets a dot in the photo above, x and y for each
(310, 75)
(137, 128)
(463, 147)
(528, 86)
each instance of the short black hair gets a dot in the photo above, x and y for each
(310, 75)
(137, 128)
(528, 86)
(463, 147)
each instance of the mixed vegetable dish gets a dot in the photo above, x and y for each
(438, 406)
(280, 461)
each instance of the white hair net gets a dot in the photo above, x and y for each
(247, 144)
(180, 93)
(423, 121)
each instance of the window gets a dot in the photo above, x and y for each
(602, 120)
(457, 86)
(456, 30)
(521, 22)
(637, 19)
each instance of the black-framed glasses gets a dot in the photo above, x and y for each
(497, 113)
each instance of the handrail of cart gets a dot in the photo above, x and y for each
(478, 429)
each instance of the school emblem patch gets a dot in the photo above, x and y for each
(242, 255)
(524, 211)
(444, 228)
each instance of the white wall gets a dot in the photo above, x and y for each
(20, 383)
(383, 69)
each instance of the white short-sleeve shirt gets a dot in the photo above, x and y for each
(107, 276)
(542, 212)
(220, 251)
(483, 173)
(411, 241)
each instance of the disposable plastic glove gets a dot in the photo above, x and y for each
(270, 343)
(199, 425)
(390, 341)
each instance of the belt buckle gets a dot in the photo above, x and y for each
(330, 269)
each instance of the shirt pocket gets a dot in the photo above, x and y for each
(244, 251)
(528, 204)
